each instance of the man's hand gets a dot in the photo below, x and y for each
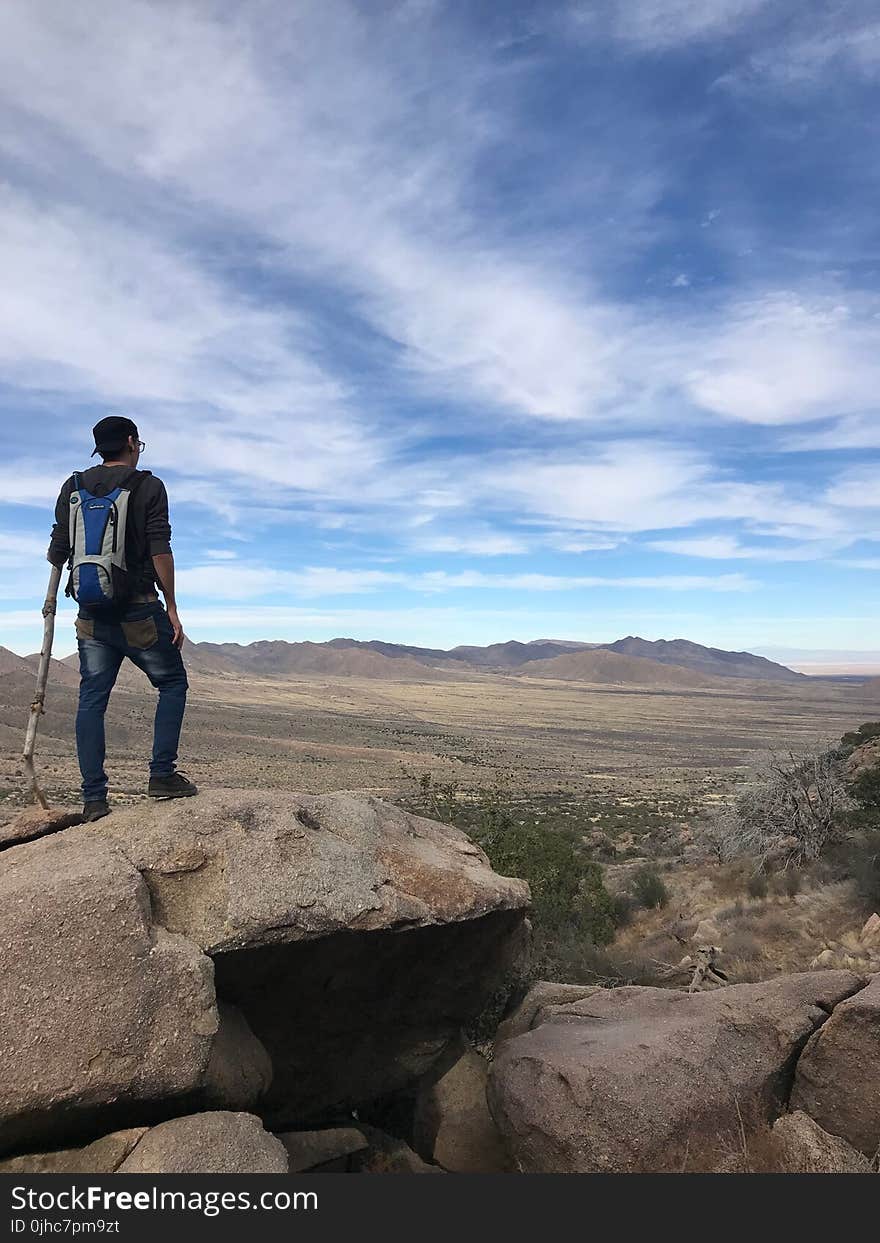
(177, 625)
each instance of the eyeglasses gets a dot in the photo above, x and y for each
(141, 445)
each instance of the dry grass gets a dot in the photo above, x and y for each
(759, 937)
(322, 734)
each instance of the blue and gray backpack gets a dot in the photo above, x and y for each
(99, 576)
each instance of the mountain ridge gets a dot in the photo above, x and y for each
(563, 658)
(627, 660)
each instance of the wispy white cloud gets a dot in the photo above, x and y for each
(254, 582)
(658, 25)
(858, 488)
(843, 39)
(441, 580)
(784, 358)
(633, 486)
(728, 548)
(19, 550)
(317, 158)
(487, 544)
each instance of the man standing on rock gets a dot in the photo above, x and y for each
(132, 621)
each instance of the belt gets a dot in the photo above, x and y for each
(144, 598)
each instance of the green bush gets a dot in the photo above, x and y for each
(865, 789)
(870, 729)
(622, 909)
(648, 888)
(567, 888)
(572, 910)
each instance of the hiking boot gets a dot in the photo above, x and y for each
(171, 785)
(95, 809)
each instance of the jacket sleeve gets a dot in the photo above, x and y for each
(59, 544)
(158, 526)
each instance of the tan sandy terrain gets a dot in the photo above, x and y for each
(329, 733)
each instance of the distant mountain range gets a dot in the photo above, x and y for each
(629, 661)
(26, 667)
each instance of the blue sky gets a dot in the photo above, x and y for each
(455, 322)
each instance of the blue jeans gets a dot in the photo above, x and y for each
(143, 633)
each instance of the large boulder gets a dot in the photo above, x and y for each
(99, 1008)
(838, 1074)
(347, 942)
(647, 1079)
(207, 1143)
(355, 938)
(237, 869)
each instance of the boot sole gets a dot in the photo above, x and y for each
(182, 794)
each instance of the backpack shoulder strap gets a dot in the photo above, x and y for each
(134, 481)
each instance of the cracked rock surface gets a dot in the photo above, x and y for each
(838, 1074)
(646, 1079)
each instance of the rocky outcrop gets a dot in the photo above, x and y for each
(327, 1150)
(310, 907)
(838, 1075)
(34, 822)
(274, 952)
(217, 1142)
(207, 1143)
(237, 870)
(239, 1071)
(386, 1154)
(644, 1079)
(537, 1005)
(452, 1126)
(180, 981)
(798, 1145)
(858, 950)
(99, 1008)
(102, 1156)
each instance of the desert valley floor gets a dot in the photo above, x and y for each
(540, 736)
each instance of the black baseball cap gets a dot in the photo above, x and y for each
(112, 433)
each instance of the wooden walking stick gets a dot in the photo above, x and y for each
(50, 606)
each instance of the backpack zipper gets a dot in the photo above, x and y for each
(113, 517)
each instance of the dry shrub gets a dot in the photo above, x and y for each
(613, 968)
(742, 945)
(771, 923)
(793, 810)
(731, 879)
(756, 886)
